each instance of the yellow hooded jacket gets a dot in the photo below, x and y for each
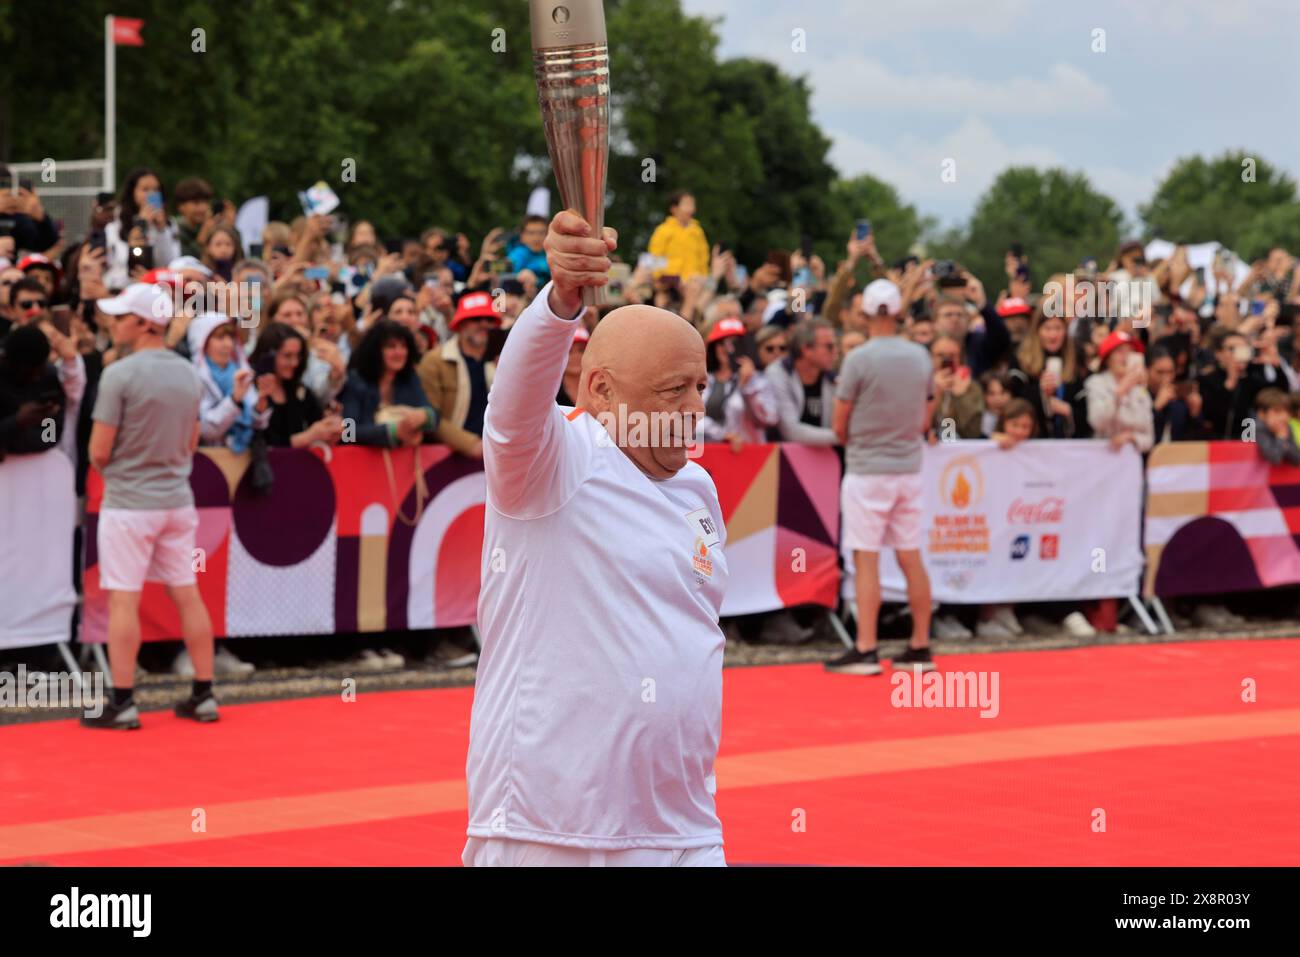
(685, 248)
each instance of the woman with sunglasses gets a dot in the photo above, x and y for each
(771, 344)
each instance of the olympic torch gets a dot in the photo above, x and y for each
(571, 64)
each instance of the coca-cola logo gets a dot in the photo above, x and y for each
(1033, 513)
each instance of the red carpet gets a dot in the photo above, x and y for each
(815, 769)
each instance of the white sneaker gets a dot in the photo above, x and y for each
(1077, 626)
(949, 627)
(225, 663)
(182, 665)
(993, 629)
(1007, 618)
(370, 660)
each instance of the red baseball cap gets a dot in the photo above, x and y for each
(474, 305)
(33, 260)
(1014, 306)
(1115, 340)
(725, 329)
(166, 276)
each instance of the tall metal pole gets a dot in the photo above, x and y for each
(110, 106)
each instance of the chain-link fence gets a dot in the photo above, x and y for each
(67, 189)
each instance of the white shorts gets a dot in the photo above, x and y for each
(881, 511)
(139, 545)
(505, 852)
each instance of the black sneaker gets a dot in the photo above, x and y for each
(854, 662)
(198, 709)
(914, 659)
(126, 718)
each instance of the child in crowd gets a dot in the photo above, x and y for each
(1273, 434)
(1016, 423)
(997, 394)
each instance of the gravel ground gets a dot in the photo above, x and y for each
(278, 681)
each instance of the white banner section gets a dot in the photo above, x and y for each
(1048, 520)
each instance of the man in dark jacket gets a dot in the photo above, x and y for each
(1230, 386)
(31, 400)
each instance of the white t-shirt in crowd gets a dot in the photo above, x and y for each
(598, 703)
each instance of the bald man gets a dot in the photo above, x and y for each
(598, 704)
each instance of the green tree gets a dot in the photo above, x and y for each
(441, 124)
(737, 134)
(442, 127)
(895, 224)
(1056, 215)
(667, 132)
(1215, 199)
(790, 196)
(1279, 226)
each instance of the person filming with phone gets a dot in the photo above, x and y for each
(31, 228)
(141, 237)
(959, 401)
(1119, 406)
(1230, 385)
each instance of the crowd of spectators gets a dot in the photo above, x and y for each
(316, 333)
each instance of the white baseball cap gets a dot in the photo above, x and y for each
(152, 302)
(881, 293)
(189, 264)
(777, 299)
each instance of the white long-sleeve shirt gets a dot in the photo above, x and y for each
(1109, 415)
(598, 704)
(72, 376)
(166, 247)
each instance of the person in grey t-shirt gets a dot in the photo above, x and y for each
(143, 441)
(883, 404)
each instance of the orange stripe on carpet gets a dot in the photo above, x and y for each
(234, 819)
(951, 750)
(333, 808)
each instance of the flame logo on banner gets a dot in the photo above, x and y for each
(961, 484)
(961, 491)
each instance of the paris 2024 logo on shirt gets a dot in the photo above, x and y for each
(701, 562)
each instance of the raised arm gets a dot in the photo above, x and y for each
(524, 442)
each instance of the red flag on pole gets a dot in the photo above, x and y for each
(126, 32)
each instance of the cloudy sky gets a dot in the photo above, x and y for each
(902, 85)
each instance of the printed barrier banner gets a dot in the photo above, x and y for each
(38, 517)
(339, 544)
(1047, 520)
(1219, 519)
